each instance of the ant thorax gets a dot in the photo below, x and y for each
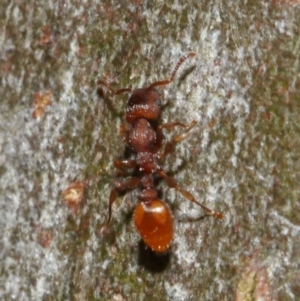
(142, 137)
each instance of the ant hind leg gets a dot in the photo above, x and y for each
(173, 184)
(125, 185)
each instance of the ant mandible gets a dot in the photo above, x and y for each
(153, 218)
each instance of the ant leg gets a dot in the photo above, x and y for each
(169, 148)
(116, 92)
(167, 81)
(123, 131)
(159, 133)
(125, 185)
(125, 163)
(173, 184)
(171, 125)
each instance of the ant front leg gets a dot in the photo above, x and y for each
(173, 184)
(170, 146)
(125, 185)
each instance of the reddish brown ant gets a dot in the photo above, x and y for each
(152, 217)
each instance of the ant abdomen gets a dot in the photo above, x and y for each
(154, 222)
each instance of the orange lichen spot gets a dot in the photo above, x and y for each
(44, 237)
(45, 38)
(73, 195)
(41, 100)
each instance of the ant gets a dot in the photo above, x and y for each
(153, 218)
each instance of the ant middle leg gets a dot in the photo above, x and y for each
(173, 184)
(170, 146)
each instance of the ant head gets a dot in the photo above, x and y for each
(154, 222)
(143, 103)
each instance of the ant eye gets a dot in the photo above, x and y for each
(158, 102)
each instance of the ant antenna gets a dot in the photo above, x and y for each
(167, 81)
(116, 92)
